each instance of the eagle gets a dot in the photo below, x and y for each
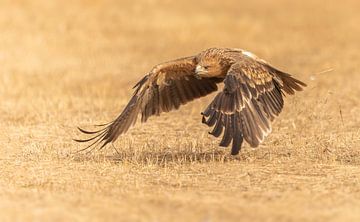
(251, 97)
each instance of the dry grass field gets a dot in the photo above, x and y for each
(65, 64)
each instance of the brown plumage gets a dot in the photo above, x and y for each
(251, 98)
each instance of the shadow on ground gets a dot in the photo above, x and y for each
(163, 158)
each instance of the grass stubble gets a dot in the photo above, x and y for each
(75, 67)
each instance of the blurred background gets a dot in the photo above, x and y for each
(73, 63)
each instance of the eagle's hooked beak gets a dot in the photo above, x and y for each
(200, 71)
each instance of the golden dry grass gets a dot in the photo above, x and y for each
(73, 63)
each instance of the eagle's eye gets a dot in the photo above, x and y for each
(206, 67)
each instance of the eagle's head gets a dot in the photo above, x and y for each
(211, 63)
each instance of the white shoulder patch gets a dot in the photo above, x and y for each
(249, 54)
(253, 56)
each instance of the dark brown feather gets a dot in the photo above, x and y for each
(228, 133)
(165, 88)
(251, 98)
(218, 128)
(237, 135)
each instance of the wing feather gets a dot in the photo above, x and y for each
(219, 126)
(252, 97)
(228, 133)
(165, 88)
(237, 135)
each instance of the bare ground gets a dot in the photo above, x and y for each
(73, 63)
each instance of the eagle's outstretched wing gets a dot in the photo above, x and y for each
(251, 98)
(165, 88)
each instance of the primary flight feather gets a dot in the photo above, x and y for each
(251, 97)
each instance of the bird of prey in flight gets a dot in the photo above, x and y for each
(251, 98)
